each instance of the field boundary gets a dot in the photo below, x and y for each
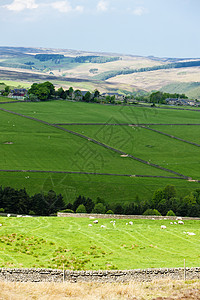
(169, 135)
(126, 217)
(53, 275)
(91, 173)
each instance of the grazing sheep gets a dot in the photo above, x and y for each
(163, 227)
(90, 225)
(191, 233)
(0, 225)
(153, 219)
(8, 215)
(126, 223)
(175, 223)
(180, 222)
(111, 221)
(90, 217)
(171, 223)
(19, 216)
(102, 226)
(130, 223)
(95, 221)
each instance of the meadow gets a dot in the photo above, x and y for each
(30, 145)
(52, 242)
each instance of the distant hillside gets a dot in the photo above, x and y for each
(108, 71)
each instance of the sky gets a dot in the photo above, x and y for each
(163, 28)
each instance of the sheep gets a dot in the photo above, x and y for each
(163, 227)
(19, 216)
(180, 222)
(130, 223)
(95, 221)
(0, 225)
(179, 218)
(8, 215)
(191, 233)
(153, 219)
(126, 223)
(175, 223)
(102, 226)
(90, 225)
(90, 217)
(111, 221)
(171, 223)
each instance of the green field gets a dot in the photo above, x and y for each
(6, 99)
(72, 112)
(30, 145)
(54, 242)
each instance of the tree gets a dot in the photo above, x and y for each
(80, 209)
(99, 208)
(87, 97)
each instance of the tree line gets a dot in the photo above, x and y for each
(19, 202)
(163, 202)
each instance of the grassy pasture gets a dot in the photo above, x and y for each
(72, 112)
(148, 145)
(40, 147)
(52, 242)
(6, 99)
(120, 190)
(189, 133)
(36, 146)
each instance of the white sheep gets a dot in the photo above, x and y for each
(175, 223)
(90, 225)
(111, 221)
(102, 226)
(191, 233)
(0, 225)
(163, 227)
(95, 221)
(171, 223)
(180, 222)
(19, 216)
(90, 217)
(8, 215)
(130, 223)
(126, 223)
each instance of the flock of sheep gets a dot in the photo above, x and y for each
(178, 219)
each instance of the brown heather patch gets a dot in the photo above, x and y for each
(157, 290)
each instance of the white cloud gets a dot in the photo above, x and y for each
(62, 6)
(65, 7)
(102, 5)
(139, 11)
(19, 5)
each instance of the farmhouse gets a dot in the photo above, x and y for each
(18, 94)
(179, 101)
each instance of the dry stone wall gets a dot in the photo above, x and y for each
(107, 216)
(51, 275)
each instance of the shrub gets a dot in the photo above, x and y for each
(109, 212)
(2, 210)
(170, 213)
(99, 208)
(151, 212)
(67, 210)
(81, 209)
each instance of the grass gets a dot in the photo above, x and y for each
(36, 146)
(133, 290)
(148, 145)
(51, 242)
(72, 112)
(6, 99)
(189, 133)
